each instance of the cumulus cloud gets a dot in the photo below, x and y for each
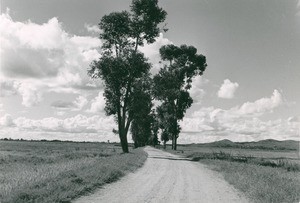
(293, 119)
(30, 94)
(44, 52)
(8, 88)
(212, 128)
(97, 104)
(76, 124)
(227, 89)
(262, 105)
(197, 92)
(151, 51)
(241, 122)
(92, 28)
(79, 103)
(31, 91)
(27, 48)
(6, 120)
(50, 59)
(76, 105)
(78, 128)
(60, 104)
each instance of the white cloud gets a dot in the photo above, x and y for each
(240, 123)
(98, 104)
(151, 51)
(79, 103)
(227, 89)
(27, 47)
(6, 120)
(60, 113)
(42, 58)
(30, 94)
(197, 93)
(239, 129)
(47, 53)
(293, 119)
(262, 105)
(206, 125)
(62, 105)
(76, 124)
(76, 105)
(77, 128)
(8, 88)
(92, 28)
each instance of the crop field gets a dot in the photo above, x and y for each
(263, 175)
(60, 171)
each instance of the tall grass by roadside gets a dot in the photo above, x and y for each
(260, 183)
(275, 163)
(274, 179)
(60, 172)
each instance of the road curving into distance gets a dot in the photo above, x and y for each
(167, 178)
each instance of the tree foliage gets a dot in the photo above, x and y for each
(171, 86)
(141, 112)
(121, 65)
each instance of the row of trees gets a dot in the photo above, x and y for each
(130, 89)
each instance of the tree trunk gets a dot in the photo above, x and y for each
(123, 139)
(165, 144)
(124, 142)
(136, 145)
(175, 143)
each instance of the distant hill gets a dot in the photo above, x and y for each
(268, 144)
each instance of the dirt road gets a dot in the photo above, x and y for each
(167, 178)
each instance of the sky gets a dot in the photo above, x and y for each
(249, 91)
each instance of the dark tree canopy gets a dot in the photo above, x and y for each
(115, 30)
(145, 19)
(154, 129)
(117, 74)
(171, 86)
(121, 66)
(128, 87)
(141, 111)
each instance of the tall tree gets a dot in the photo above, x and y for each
(171, 86)
(154, 129)
(121, 64)
(141, 112)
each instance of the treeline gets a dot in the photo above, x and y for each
(44, 140)
(129, 88)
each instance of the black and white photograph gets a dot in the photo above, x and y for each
(150, 101)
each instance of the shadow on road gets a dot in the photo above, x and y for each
(170, 158)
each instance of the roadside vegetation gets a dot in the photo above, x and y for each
(262, 174)
(60, 171)
(260, 183)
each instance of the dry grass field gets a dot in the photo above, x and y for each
(264, 174)
(60, 171)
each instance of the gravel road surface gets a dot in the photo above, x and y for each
(167, 178)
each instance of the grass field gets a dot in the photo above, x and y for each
(60, 171)
(262, 174)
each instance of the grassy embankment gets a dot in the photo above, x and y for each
(263, 174)
(60, 171)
